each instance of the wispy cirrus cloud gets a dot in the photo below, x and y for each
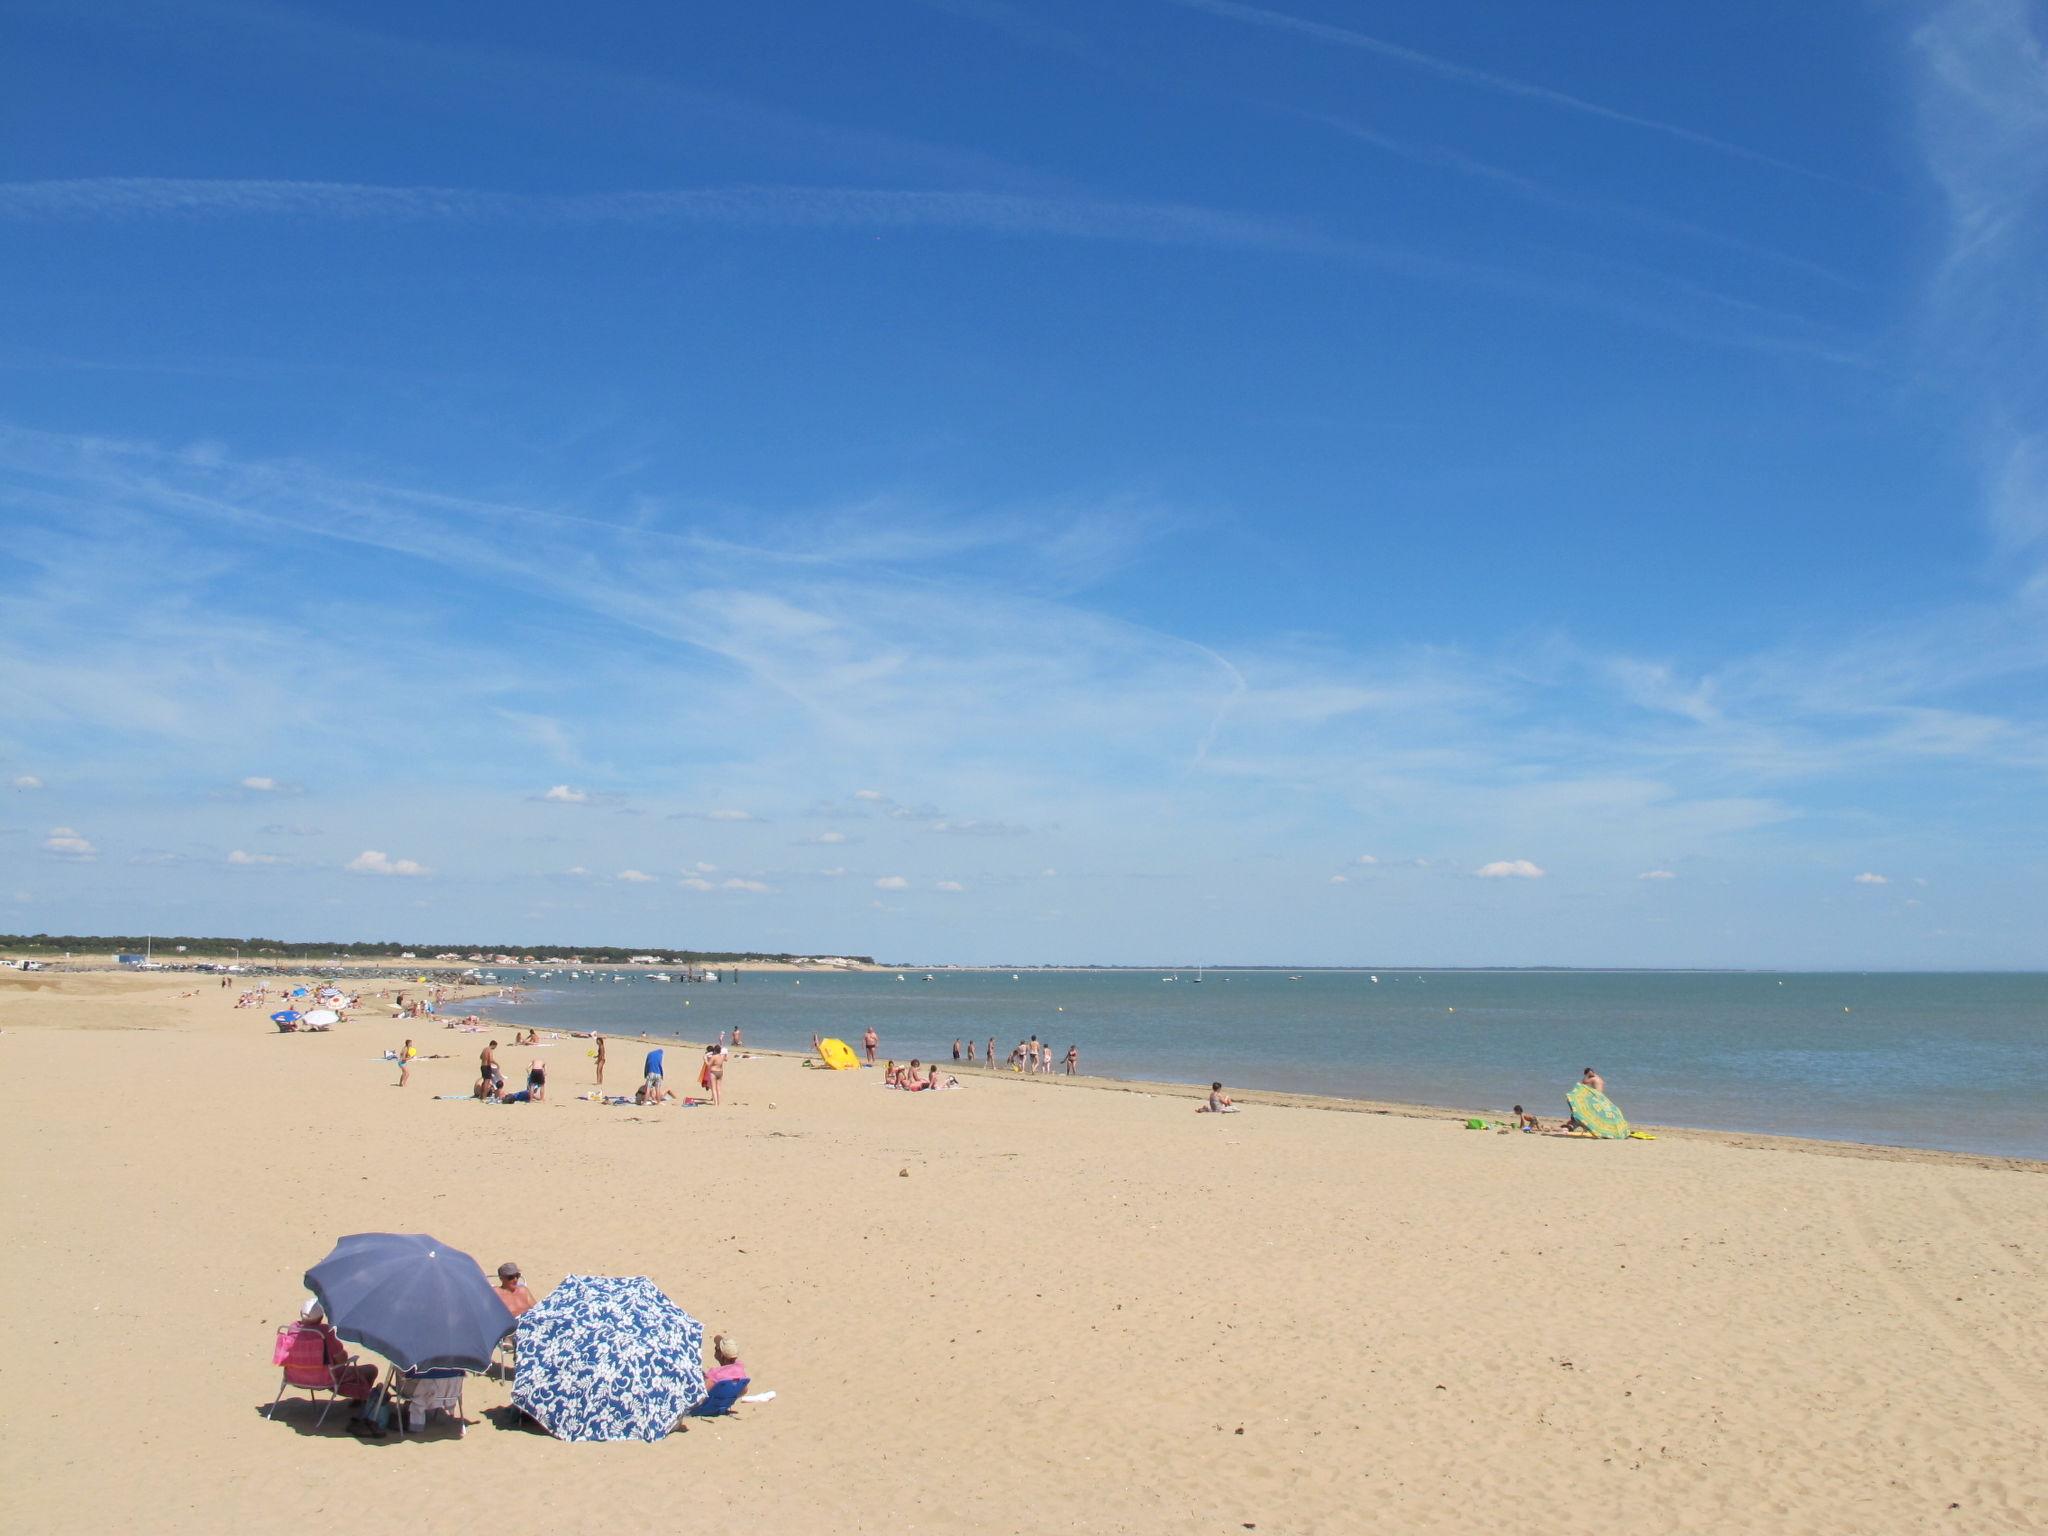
(1650, 299)
(1511, 869)
(1981, 91)
(759, 207)
(1480, 79)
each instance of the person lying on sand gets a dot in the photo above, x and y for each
(1219, 1102)
(488, 1089)
(650, 1093)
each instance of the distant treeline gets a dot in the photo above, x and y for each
(167, 945)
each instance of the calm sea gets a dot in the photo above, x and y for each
(1958, 1062)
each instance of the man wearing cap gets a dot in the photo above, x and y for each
(511, 1290)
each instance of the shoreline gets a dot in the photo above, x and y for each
(1332, 1103)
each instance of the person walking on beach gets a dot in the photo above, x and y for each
(405, 1056)
(871, 1040)
(1031, 1055)
(989, 1060)
(600, 1061)
(1073, 1060)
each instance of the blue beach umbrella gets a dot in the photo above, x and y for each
(605, 1358)
(412, 1299)
(289, 1016)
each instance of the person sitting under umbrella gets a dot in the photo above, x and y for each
(512, 1290)
(352, 1381)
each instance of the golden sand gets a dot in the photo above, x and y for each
(1080, 1311)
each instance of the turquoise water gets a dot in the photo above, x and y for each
(1958, 1062)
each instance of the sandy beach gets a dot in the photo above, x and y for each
(1016, 1308)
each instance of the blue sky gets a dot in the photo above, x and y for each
(995, 481)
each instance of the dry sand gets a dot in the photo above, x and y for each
(1081, 1311)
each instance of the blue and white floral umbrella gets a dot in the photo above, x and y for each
(605, 1358)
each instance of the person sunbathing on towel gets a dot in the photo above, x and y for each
(910, 1082)
(892, 1075)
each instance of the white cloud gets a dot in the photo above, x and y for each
(261, 784)
(1340, 879)
(1511, 869)
(869, 794)
(833, 873)
(371, 862)
(892, 883)
(26, 781)
(66, 842)
(695, 883)
(577, 870)
(731, 815)
(705, 869)
(829, 837)
(1656, 874)
(1366, 858)
(562, 794)
(1048, 874)
(1867, 878)
(758, 887)
(241, 857)
(951, 885)
(636, 877)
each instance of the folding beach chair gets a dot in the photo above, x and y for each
(426, 1386)
(302, 1351)
(719, 1400)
